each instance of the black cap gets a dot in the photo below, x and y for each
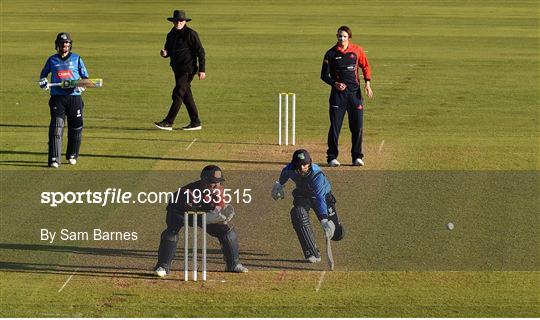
(179, 15)
(300, 157)
(212, 174)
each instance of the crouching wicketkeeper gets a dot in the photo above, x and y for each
(218, 214)
(313, 191)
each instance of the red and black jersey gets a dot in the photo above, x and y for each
(342, 66)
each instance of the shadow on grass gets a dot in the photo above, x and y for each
(24, 163)
(92, 127)
(111, 156)
(137, 139)
(107, 268)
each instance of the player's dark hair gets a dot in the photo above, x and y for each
(346, 29)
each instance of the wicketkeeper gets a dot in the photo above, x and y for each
(64, 65)
(218, 214)
(313, 191)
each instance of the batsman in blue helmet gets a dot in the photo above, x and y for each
(64, 102)
(313, 191)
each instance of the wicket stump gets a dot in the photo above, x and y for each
(194, 215)
(285, 96)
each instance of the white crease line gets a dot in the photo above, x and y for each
(320, 281)
(192, 142)
(380, 146)
(65, 283)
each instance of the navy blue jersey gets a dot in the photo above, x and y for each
(69, 68)
(314, 185)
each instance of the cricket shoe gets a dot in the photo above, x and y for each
(54, 163)
(334, 163)
(192, 127)
(313, 259)
(161, 272)
(358, 162)
(239, 268)
(72, 161)
(163, 125)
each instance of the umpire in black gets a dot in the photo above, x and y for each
(187, 57)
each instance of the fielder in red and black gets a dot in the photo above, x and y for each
(340, 69)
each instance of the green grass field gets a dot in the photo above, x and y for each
(452, 134)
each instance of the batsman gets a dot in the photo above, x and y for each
(313, 191)
(64, 65)
(218, 214)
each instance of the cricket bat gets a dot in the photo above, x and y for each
(85, 83)
(329, 254)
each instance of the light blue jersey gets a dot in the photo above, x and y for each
(69, 68)
(314, 185)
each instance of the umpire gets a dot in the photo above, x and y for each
(184, 49)
(312, 190)
(218, 215)
(64, 65)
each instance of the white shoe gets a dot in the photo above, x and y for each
(358, 162)
(334, 163)
(161, 272)
(54, 165)
(239, 268)
(192, 127)
(72, 161)
(313, 259)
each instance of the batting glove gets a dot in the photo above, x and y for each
(277, 191)
(329, 227)
(79, 89)
(44, 84)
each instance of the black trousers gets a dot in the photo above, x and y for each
(182, 94)
(352, 104)
(62, 107)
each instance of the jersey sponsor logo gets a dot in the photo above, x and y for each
(64, 74)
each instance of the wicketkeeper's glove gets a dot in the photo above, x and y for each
(215, 216)
(228, 212)
(277, 191)
(329, 227)
(220, 215)
(44, 83)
